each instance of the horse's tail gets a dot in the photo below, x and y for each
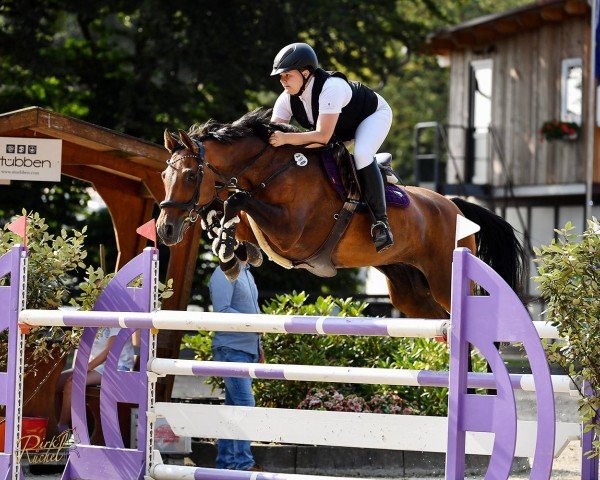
(497, 244)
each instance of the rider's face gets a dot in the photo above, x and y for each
(292, 81)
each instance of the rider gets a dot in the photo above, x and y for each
(328, 104)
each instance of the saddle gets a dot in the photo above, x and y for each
(340, 168)
(341, 171)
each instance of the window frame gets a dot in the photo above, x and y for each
(566, 65)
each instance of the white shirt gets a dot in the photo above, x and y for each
(100, 343)
(335, 95)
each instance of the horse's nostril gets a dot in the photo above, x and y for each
(168, 229)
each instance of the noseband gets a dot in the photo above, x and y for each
(200, 158)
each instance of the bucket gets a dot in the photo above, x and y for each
(33, 432)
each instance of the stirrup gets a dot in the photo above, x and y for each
(385, 239)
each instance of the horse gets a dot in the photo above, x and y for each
(290, 207)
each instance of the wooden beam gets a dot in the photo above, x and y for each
(102, 178)
(18, 120)
(506, 26)
(77, 155)
(553, 14)
(74, 154)
(53, 122)
(182, 264)
(530, 20)
(485, 33)
(82, 133)
(464, 39)
(24, 132)
(127, 211)
(577, 7)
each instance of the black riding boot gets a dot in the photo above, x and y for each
(371, 186)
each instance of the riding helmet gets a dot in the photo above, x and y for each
(296, 56)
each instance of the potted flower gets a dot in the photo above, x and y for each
(559, 130)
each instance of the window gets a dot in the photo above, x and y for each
(571, 90)
(480, 117)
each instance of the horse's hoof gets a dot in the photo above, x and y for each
(255, 257)
(231, 269)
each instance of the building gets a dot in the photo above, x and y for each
(510, 74)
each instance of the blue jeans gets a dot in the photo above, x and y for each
(235, 454)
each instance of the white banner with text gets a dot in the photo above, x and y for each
(33, 159)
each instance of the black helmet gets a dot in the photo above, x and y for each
(296, 56)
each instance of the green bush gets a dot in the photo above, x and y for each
(569, 282)
(56, 263)
(53, 263)
(339, 351)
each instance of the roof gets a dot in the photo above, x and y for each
(482, 31)
(91, 152)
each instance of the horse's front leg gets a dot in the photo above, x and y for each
(268, 217)
(225, 245)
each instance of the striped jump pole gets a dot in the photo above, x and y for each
(225, 322)
(255, 322)
(374, 376)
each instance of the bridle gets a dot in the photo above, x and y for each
(228, 182)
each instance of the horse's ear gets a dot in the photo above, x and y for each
(171, 141)
(187, 141)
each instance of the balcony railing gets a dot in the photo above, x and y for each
(453, 159)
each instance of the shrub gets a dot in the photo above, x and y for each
(55, 261)
(569, 282)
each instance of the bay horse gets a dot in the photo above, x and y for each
(293, 205)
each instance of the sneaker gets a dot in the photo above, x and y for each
(254, 468)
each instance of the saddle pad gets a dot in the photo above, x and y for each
(394, 195)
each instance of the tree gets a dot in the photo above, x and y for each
(139, 66)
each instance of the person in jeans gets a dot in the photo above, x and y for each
(239, 296)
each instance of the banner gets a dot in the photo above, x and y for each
(32, 159)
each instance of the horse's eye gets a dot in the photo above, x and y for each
(163, 174)
(190, 176)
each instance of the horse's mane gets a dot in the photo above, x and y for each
(256, 123)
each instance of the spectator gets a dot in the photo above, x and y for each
(240, 296)
(100, 348)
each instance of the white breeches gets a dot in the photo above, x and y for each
(371, 133)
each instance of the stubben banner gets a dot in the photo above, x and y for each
(33, 159)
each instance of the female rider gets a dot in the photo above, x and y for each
(330, 105)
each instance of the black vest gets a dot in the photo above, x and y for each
(362, 104)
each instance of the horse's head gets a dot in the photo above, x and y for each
(185, 186)
(213, 154)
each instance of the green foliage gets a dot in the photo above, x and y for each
(140, 66)
(62, 205)
(53, 263)
(569, 282)
(347, 351)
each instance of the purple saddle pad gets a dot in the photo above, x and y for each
(394, 195)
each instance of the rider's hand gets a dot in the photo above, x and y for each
(277, 139)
